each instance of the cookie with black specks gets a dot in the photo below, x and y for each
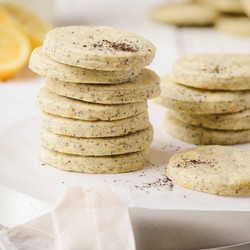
(43, 65)
(212, 169)
(66, 107)
(98, 47)
(203, 136)
(229, 121)
(80, 128)
(192, 100)
(95, 164)
(146, 86)
(97, 146)
(216, 71)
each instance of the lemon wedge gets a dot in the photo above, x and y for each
(14, 51)
(24, 21)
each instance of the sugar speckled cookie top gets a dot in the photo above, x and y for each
(212, 169)
(100, 48)
(183, 14)
(213, 71)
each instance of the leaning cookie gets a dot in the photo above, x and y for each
(200, 101)
(234, 25)
(216, 71)
(229, 121)
(45, 66)
(67, 107)
(97, 146)
(145, 86)
(80, 128)
(99, 48)
(203, 136)
(95, 165)
(212, 169)
(183, 14)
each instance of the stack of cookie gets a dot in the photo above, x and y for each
(94, 106)
(209, 99)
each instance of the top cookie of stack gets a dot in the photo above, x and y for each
(93, 109)
(209, 99)
(95, 55)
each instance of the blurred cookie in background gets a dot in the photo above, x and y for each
(224, 6)
(234, 25)
(226, 15)
(183, 14)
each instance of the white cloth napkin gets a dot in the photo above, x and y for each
(90, 218)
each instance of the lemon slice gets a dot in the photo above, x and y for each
(26, 22)
(14, 52)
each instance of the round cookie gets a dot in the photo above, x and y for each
(81, 128)
(67, 107)
(234, 25)
(213, 71)
(95, 164)
(212, 169)
(45, 66)
(230, 121)
(145, 86)
(225, 6)
(183, 14)
(201, 136)
(200, 101)
(246, 6)
(98, 47)
(97, 146)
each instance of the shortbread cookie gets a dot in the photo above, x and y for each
(45, 66)
(212, 169)
(201, 136)
(213, 71)
(145, 86)
(67, 107)
(183, 14)
(246, 6)
(81, 128)
(226, 6)
(97, 146)
(95, 164)
(234, 25)
(230, 121)
(192, 100)
(99, 48)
